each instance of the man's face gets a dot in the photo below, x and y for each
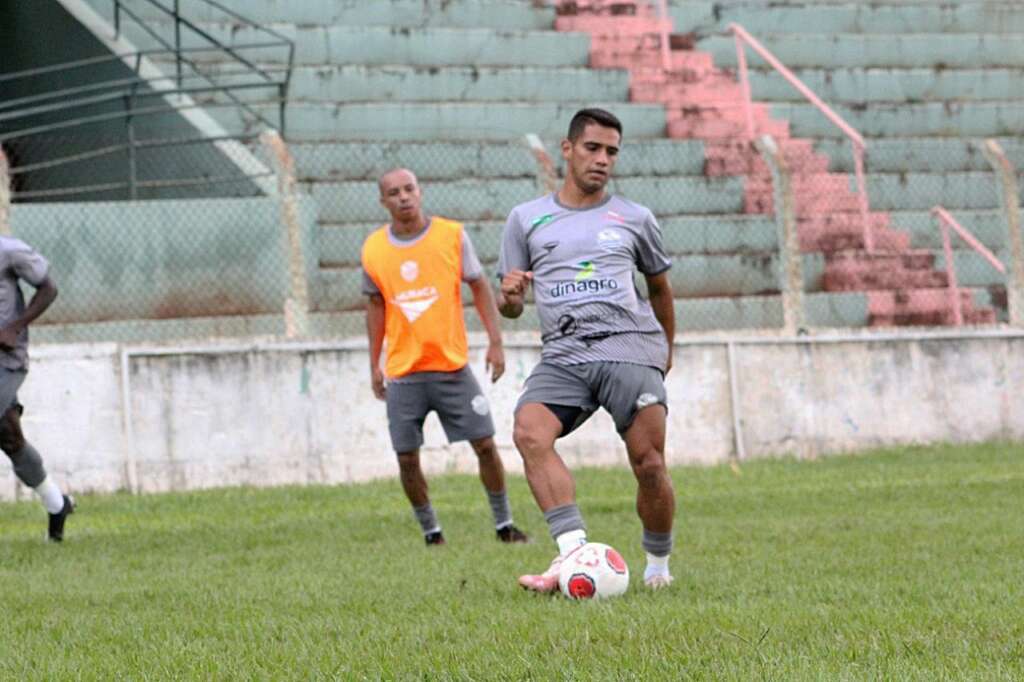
(591, 158)
(400, 195)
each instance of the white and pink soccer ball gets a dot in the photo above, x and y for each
(594, 571)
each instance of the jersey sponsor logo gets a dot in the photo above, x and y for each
(409, 270)
(540, 220)
(585, 282)
(614, 216)
(415, 302)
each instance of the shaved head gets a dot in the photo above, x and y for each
(400, 195)
(400, 176)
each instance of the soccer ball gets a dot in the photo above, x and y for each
(594, 571)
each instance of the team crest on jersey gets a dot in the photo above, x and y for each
(609, 240)
(479, 405)
(409, 270)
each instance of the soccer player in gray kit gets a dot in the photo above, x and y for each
(603, 344)
(19, 261)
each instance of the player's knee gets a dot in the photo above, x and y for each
(409, 462)
(11, 438)
(649, 467)
(484, 448)
(529, 440)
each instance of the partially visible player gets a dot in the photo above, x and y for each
(413, 271)
(19, 261)
(603, 344)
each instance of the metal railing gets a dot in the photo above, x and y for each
(947, 222)
(28, 120)
(742, 38)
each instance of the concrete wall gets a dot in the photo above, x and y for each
(109, 418)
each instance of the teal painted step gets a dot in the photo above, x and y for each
(459, 121)
(356, 83)
(988, 227)
(340, 243)
(945, 119)
(896, 191)
(924, 154)
(854, 17)
(847, 50)
(911, 85)
(473, 200)
(382, 45)
(500, 14)
(453, 161)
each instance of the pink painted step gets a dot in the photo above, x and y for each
(863, 271)
(923, 306)
(844, 231)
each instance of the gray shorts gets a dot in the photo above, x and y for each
(463, 409)
(10, 381)
(574, 392)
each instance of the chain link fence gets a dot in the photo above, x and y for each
(777, 249)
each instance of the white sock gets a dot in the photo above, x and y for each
(50, 494)
(656, 565)
(567, 542)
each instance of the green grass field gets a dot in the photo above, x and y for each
(895, 565)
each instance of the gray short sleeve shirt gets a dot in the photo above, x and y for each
(583, 262)
(471, 268)
(18, 261)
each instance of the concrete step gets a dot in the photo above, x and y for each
(921, 154)
(499, 14)
(383, 45)
(473, 200)
(456, 160)
(928, 307)
(853, 17)
(340, 243)
(458, 121)
(862, 271)
(904, 85)
(938, 119)
(895, 50)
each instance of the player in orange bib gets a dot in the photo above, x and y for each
(413, 269)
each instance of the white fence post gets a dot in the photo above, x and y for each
(1011, 210)
(5, 194)
(296, 306)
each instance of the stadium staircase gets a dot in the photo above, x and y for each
(448, 87)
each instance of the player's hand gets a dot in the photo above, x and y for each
(495, 363)
(514, 285)
(377, 383)
(668, 363)
(8, 338)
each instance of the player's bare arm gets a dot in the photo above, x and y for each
(659, 291)
(45, 294)
(483, 300)
(513, 292)
(375, 335)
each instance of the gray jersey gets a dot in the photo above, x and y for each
(18, 260)
(583, 262)
(471, 268)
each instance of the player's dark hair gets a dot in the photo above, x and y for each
(585, 117)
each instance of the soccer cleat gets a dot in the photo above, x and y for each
(658, 581)
(435, 538)
(510, 534)
(546, 581)
(55, 533)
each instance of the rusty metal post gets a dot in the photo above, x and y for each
(1010, 198)
(791, 280)
(296, 306)
(547, 177)
(5, 194)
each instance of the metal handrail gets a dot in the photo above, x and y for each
(947, 221)
(134, 91)
(857, 143)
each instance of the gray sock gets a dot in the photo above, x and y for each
(500, 508)
(28, 466)
(427, 518)
(658, 544)
(564, 519)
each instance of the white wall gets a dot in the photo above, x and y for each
(269, 413)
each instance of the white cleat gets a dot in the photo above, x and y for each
(659, 581)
